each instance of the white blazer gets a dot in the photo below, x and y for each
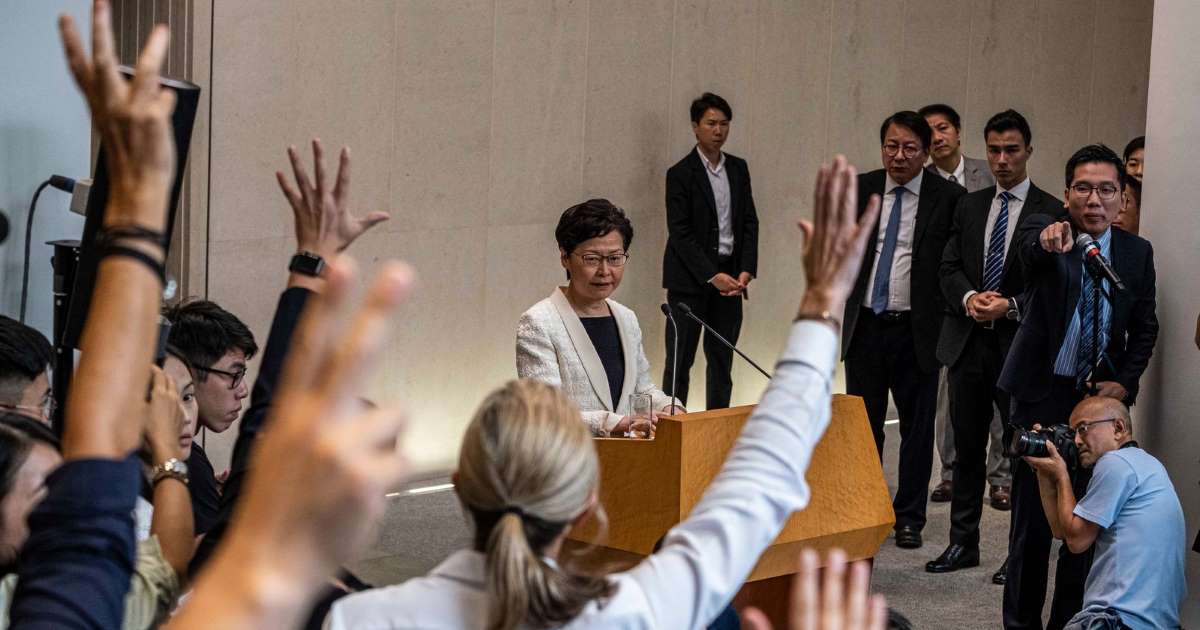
(703, 561)
(553, 347)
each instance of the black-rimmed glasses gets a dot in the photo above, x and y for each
(235, 377)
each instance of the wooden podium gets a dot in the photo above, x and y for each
(648, 486)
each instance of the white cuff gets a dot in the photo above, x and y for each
(968, 297)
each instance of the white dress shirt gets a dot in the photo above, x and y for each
(719, 178)
(703, 561)
(899, 286)
(960, 171)
(1020, 193)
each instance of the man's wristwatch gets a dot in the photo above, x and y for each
(307, 263)
(1012, 312)
(172, 468)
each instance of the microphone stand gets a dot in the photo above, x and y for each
(666, 309)
(689, 313)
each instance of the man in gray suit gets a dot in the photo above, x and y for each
(947, 161)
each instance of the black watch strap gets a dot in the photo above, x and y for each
(307, 263)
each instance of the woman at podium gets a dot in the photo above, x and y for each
(580, 340)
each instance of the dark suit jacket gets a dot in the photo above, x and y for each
(935, 210)
(1054, 285)
(690, 259)
(963, 260)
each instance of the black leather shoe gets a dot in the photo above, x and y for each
(943, 492)
(908, 537)
(955, 557)
(1001, 577)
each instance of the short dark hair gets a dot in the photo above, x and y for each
(591, 219)
(1134, 145)
(14, 451)
(708, 101)
(1095, 153)
(944, 110)
(1135, 188)
(1008, 120)
(31, 429)
(203, 332)
(24, 354)
(912, 121)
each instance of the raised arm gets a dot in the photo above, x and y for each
(762, 481)
(323, 459)
(324, 226)
(90, 498)
(172, 522)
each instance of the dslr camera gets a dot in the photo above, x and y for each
(1033, 443)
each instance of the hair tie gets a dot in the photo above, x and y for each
(513, 509)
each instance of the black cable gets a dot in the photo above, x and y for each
(28, 239)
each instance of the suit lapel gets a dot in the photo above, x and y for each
(976, 232)
(584, 348)
(873, 186)
(701, 174)
(925, 203)
(1034, 203)
(625, 328)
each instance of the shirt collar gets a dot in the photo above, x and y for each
(958, 173)
(715, 170)
(913, 187)
(1104, 240)
(1020, 191)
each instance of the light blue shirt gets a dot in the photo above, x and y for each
(1064, 365)
(1139, 564)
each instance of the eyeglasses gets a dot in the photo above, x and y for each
(613, 260)
(235, 377)
(44, 409)
(1083, 427)
(909, 150)
(1107, 192)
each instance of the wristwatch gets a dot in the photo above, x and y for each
(1012, 312)
(172, 468)
(307, 263)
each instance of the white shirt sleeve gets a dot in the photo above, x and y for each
(705, 559)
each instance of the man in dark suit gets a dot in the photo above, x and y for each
(984, 287)
(946, 159)
(1055, 360)
(893, 316)
(712, 250)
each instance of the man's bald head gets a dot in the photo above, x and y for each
(1100, 407)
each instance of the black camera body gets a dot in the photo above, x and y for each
(1033, 443)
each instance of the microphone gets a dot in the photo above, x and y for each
(666, 309)
(687, 310)
(1091, 254)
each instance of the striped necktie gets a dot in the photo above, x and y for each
(1087, 311)
(993, 266)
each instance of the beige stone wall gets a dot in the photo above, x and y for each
(476, 122)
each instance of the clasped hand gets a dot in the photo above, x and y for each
(987, 306)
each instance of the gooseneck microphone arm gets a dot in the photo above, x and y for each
(666, 309)
(687, 310)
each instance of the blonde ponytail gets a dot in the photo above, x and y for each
(526, 470)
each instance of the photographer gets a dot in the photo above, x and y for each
(1129, 496)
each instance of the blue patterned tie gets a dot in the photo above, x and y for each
(993, 267)
(1087, 306)
(883, 272)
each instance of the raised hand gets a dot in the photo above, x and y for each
(315, 490)
(834, 241)
(133, 119)
(840, 604)
(324, 224)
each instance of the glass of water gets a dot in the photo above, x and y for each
(641, 409)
